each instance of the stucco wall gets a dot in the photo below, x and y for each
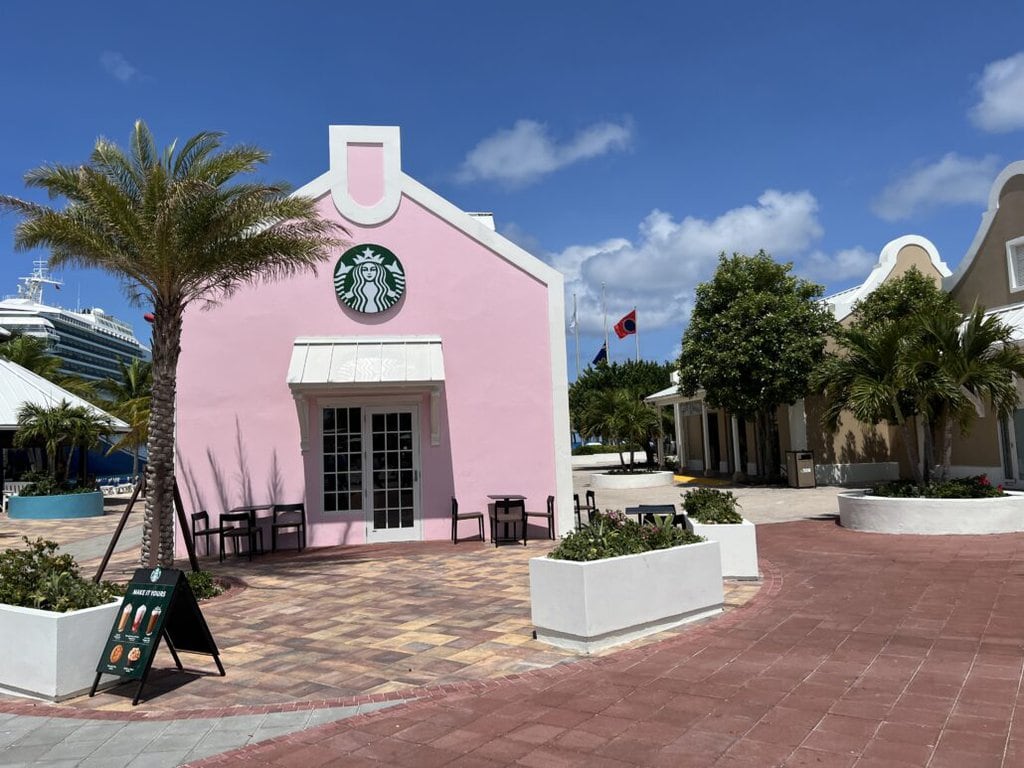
(238, 434)
(987, 280)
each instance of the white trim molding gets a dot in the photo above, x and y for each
(388, 138)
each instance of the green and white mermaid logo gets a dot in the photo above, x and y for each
(369, 278)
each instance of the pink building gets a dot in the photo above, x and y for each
(424, 360)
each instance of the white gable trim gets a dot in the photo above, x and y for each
(341, 138)
(1013, 169)
(886, 262)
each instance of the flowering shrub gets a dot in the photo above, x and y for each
(611, 534)
(974, 487)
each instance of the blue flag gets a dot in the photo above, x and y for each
(602, 355)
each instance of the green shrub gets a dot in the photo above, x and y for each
(974, 487)
(38, 577)
(44, 484)
(611, 534)
(711, 506)
(590, 450)
(203, 584)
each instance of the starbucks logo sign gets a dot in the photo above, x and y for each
(369, 278)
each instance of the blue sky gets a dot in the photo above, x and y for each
(629, 144)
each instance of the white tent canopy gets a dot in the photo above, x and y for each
(19, 386)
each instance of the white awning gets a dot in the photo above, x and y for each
(363, 360)
(19, 386)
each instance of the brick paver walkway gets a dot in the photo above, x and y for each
(861, 650)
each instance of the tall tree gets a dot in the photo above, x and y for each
(972, 363)
(175, 227)
(58, 428)
(868, 378)
(618, 416)
(33, 354)
(642, 378)
(755, 335)
(128, 398)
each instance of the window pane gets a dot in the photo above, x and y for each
(407, 520)
(330, 502)
(355, 501)
(355, 420)
(405, 421)
(328, 419)
(380, 519)
(378, 422)
(328, 463)
(329, 443)
(392, 422)
(329, 482)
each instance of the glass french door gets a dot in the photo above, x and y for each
(371, 466)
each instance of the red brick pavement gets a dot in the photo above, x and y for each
(865, 650)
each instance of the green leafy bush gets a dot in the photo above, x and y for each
(204, 586)
(45, 484)
(611, 534)
(39, 577)
(711, 506)
(590, 450)
(974, 487)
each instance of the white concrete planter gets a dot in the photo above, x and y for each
(602, 480)
(594, 605)
(879, 514)
(53, 655)
(739, 546)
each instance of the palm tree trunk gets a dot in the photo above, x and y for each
(910, 441)
(947, 445)
(158, 525)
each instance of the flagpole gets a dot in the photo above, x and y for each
(604, 305)
(637, 334)
(576, 333)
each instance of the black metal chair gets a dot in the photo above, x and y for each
(247, 529)
(457, 516)
(508, 512)
(549, 516)
(288, 517)
(650, 512)
(206, 531)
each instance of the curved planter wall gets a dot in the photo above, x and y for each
(878, 514)
(56, 507)
(593, 605)
(602, 480)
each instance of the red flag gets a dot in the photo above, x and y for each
(626, 326)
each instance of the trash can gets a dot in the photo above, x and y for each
(800, 469)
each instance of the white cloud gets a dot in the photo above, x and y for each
(1001, 88)
(118, 67)
(660, 269)
(525, 152)
(952, 180)
(830, 269)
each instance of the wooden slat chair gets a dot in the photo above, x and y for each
(457, 516)
(549, 516)
(288, 518)
(206, 531)
(506, 512)
(244, 530)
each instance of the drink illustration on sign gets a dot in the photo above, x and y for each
(369, 279)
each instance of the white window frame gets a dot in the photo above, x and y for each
(1013, 248)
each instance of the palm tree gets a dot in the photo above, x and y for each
(58, 427)
(971, 362)
(617, 416)
(128, 398)
(175, 227)
(33, 354)
(869, 379)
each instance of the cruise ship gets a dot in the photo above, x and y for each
(89, 342)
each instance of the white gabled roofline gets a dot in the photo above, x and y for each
(881, 270)
(1013, 169)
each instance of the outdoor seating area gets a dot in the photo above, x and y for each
(243, 527)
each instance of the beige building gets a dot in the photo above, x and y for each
(711, 440)
(991, 274)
